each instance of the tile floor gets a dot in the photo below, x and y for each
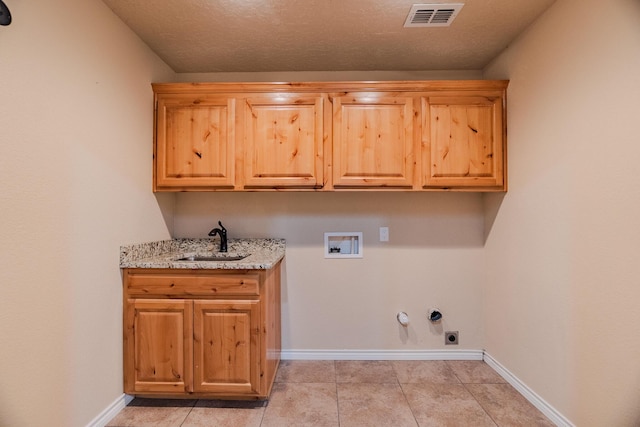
(356, 393)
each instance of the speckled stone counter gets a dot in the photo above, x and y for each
(263, 254)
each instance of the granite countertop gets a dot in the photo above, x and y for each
(263, 254)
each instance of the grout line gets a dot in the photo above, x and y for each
(408, 404)
(264, 409)
(453, 371)
(335, 377)
(404, 394)
(479, 404)
(185, 418)
(188, 413)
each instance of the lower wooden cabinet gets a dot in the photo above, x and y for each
(159, 333)
(226, 340)
(201, 333)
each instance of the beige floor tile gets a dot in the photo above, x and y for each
(506, 406)
(424, 371)
(140, 416)
(306, 371)
(475, 372)
(365, 371)
(445, 405)
(302, 404)
(380, 405)
(215, 413)
(215, 417)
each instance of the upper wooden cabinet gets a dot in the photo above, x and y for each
(463, 137)
(373, 140)
(281, 139)
(331, 136)
(195, 142)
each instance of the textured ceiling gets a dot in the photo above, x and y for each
(200, 36)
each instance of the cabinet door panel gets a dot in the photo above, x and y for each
(226, 346)
(195, 142)
(464, 138)
(373, 140)
(283, 136)
(158, 340)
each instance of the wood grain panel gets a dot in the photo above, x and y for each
(464, 141)
(195, 141)
(191, 284)
(373, 140)
(226, 347)
(272, 318)
(160, 346)
(282, 143)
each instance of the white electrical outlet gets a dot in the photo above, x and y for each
(384, 234)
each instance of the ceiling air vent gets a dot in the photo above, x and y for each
(432, 15)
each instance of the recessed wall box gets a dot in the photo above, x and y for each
(343, 245)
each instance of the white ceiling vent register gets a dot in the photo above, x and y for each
(432, 15)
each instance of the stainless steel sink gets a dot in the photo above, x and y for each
(220, 258)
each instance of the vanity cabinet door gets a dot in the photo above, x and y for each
(464, 141)
(158, 346)
(227, 346)
(374, 140)
(194, 142)
(282, 137)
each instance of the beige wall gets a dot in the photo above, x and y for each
(75, 168)
(561, 302)
(434, 257)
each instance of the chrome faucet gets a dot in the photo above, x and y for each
(222, 232)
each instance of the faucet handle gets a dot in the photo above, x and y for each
(224, 230)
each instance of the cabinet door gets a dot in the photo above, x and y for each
(373, 140)
(463, 141)
(158, 346)
(283, 137)
(227, 347)
(194, 142)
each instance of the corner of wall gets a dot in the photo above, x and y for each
(167, 204)
(491, 203)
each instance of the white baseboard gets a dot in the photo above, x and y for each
(111, 411)
(549, 411)
(381, 354)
